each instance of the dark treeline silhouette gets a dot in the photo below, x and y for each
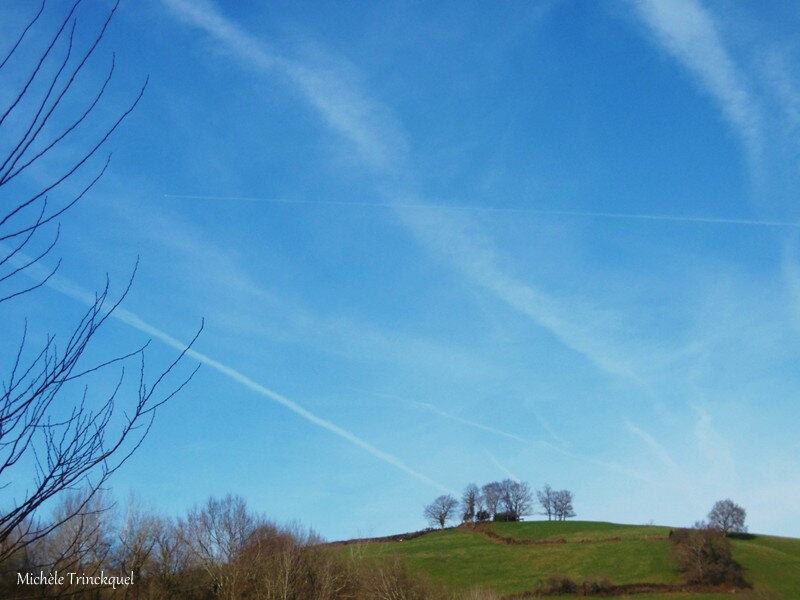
(219, 550)
(506, 500)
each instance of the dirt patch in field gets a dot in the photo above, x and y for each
(630, 588)
(400, 537)
(510, 541)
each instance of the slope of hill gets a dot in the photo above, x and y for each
(510, 557)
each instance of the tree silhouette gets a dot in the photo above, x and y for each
(440, 510)
(727, 516)
(53, 435)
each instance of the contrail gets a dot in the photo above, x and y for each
(659, 450)
(438, 411)
(501, 209)
(527, 442)
(517, 438)
(456, 418)
(502, 467)
(74, 291)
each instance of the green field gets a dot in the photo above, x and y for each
(462, 559)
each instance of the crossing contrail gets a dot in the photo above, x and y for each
(502, 209)
(525, 441)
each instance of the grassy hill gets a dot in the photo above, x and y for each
(510, 557)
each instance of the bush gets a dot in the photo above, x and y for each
(506, 516)
(704, 555)
(482, 516)
(597, 586)
(554, 584)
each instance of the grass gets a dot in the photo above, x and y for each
(771, 563)
(575, 531)
(461, 559)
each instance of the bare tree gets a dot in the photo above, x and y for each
(470, 503)
(52, 433)
(219, 530)
(137, 539)
(82, 542)
(440, 510)
(562, 505)
(546, 500)
(727, 516)
(173, 563)
(216, 534)
(516, 497)
(492, 492)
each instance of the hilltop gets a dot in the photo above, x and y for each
(509, 558)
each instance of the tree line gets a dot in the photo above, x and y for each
(506, 500)
(220, 550)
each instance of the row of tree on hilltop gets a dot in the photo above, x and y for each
(506, 500)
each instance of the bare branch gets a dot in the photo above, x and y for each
(22, 35)
(65, 442)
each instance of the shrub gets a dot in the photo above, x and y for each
(704, 555)
(597, 586)
(554, 584)
(506, 516)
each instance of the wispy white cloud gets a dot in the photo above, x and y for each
(684, 29)
(689, 32)
(715, 451)
(784, 85)
(245, 306)
(332, 88)
(574, 323)
(368, 124)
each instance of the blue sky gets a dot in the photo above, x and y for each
(451, 243)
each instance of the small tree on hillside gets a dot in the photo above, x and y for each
(546, 500)
(440, 510)
(727, 516)
(480, 507)
(492, 492)
(562, 505)
(470, 501)
(516, 497)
